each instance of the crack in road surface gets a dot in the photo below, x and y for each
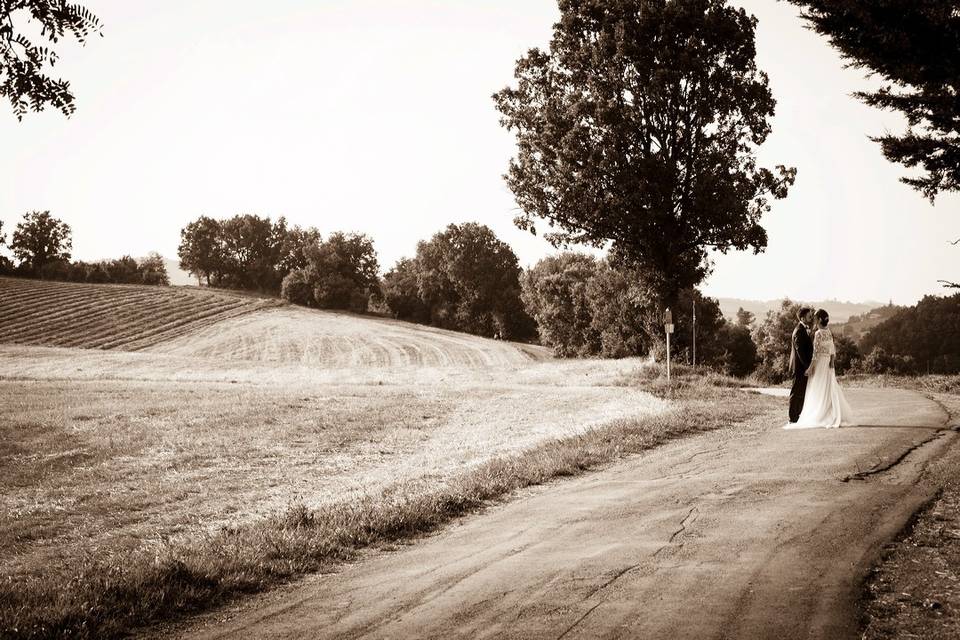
(882, 467)
(579, 620)
(783, 556)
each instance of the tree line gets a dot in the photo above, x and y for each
(923, 338)
(41, 244)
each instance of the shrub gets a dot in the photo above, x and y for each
(296, 288)
(738, 353)
(848, 354)
(879, 361)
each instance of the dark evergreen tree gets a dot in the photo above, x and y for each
(914, 47)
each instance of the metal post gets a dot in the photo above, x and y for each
(694, 334)
(668, 327)
(668, 357)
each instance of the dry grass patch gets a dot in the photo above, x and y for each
(119, 591)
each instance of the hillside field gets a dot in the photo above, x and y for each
(131, 417)
(117, 316)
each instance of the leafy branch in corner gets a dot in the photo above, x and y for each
(23, 77)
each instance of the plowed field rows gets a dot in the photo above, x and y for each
(97, 316)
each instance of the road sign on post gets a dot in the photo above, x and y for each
(668, 326)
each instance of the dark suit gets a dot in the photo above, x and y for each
(801, 352)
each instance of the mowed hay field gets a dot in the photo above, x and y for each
(330, 339)
(189, 412)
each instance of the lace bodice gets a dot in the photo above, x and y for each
(823, 344)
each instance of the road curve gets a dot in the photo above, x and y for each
(731, 534)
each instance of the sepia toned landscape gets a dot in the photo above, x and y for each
(540, 320)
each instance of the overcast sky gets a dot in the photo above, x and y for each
(375, 116)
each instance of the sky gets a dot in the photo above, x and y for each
(375, 116)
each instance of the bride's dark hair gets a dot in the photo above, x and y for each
(823, 317)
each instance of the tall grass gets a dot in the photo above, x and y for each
(121, 592)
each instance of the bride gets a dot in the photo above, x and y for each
(824, 405)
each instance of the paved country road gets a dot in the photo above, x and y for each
(756, 533)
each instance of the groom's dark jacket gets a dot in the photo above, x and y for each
(801, 351)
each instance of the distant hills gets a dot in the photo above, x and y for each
(839, 311)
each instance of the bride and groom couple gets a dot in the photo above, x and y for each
(816, 399)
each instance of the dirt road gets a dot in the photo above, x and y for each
(758, 533)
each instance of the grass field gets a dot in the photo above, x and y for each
(124, 468)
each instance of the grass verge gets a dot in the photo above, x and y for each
(914, 592)
(113, 595)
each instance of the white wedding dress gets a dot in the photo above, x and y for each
(824, 404)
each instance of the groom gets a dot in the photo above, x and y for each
(801, 352)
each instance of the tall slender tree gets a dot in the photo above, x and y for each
(638, 128)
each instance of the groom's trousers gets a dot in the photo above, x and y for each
(797, 393)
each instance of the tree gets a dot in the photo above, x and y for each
(772, 337)
(848, 354)
(251, 248)
(914, 47)
(745, 318)
(401, 292)
(619, 310)
(928, 333)
(23, 80)
(5, 265)
(709, 324)
(638, 128)
(40, 238)
(470, 281)
(555, 292)
(123, 270)
(153, 269)
(294, 243)
(341, 273)
(736, 353)
(201, 250)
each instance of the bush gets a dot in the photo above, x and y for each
(738, 353)
(879, 361)
(55, 270)
(848, 354)
(296, 288)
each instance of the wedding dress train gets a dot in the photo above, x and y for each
(824, 405)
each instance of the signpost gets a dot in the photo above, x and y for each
(694, 334)
(668, 325)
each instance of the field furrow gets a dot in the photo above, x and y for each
(94, 316)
